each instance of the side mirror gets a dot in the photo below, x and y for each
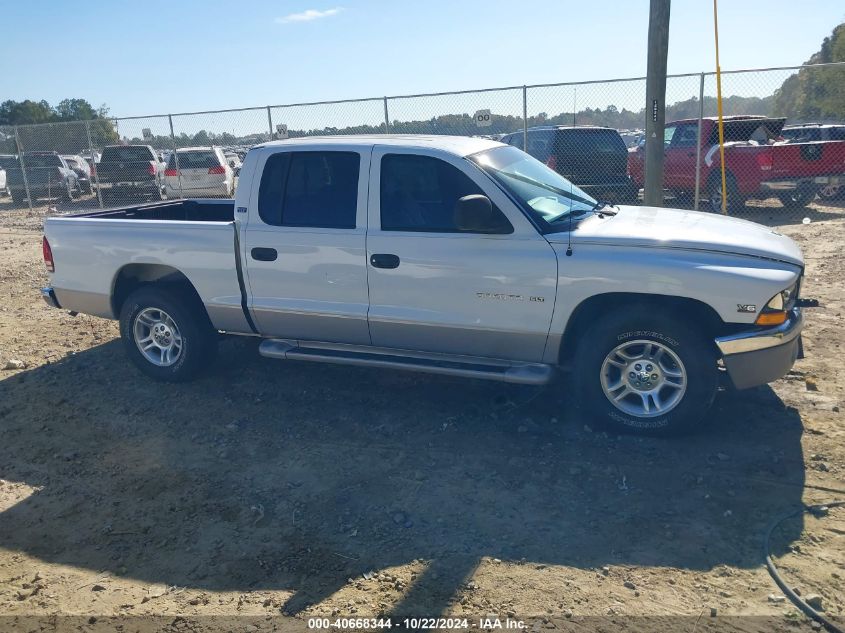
(474, 213)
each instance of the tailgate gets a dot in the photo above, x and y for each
(820, 158)
(131, 171)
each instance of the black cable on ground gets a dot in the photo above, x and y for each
(818, 510)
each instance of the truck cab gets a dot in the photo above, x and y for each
(449, 255)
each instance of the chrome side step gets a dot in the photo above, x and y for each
(365, 356)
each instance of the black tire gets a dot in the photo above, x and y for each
(651, 325)
(798, 198)
(198, 337)
(714, 193)
(18, 198)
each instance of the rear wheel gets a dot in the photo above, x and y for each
(798, 198)
(831, 192)
(714, 193)
(643, 371)
(166, 335)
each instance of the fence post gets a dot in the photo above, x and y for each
(386, 118)
(698, 142)
(525, 118)
(175, 155)
(93, 163)
(23, 167)
(270, 122)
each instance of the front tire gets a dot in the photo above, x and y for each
(644, 372)
(166, 335)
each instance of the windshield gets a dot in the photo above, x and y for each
(540, 190)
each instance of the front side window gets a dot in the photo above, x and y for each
(420, 193)
(310, 189)
(544, 193)
(685, 135)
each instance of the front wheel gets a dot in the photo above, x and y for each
(167, 336)
(644, 372)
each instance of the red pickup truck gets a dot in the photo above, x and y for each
(759, 162)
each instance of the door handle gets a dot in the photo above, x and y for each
(384, 260)
(691, 154)
(264, 254)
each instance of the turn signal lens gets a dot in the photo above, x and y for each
(772, 318)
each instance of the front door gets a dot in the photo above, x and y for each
(679, 161)
(305, 248)
(434, 287)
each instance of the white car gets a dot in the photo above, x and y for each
(451, 255)
(2, 181)
(202, 172)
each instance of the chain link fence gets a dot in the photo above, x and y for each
(784, 162)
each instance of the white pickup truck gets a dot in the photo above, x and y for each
(449, 255)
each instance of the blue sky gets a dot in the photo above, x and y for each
(159, 56)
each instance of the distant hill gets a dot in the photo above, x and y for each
(816, 94)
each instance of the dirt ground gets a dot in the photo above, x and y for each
(267, 493)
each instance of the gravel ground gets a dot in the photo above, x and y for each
(269, 493)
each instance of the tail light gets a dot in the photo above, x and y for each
(48, 255)
(151, 170)
(551, 162)
(220, 169)
(171, 172)
(765, 161)
(93, 170)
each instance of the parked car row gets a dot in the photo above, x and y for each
(763, 159)
(122, 173)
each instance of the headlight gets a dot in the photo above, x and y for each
(777, 309)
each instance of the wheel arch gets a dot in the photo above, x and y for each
(134, 276)
(703, 316)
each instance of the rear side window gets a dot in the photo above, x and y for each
(419, 193)
(126, 154)
(310, 189)
(540, 144)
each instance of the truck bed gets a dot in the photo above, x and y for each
(199, 210)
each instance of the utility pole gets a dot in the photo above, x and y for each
(655, 92)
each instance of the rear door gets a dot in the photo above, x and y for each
(436, 288)
(304, 248)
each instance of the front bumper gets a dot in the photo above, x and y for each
(757, 357)
(49, 296)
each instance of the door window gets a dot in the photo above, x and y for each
(310, 189)
(685, 135)
(420, 193)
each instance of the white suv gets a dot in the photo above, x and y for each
(201, 172)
